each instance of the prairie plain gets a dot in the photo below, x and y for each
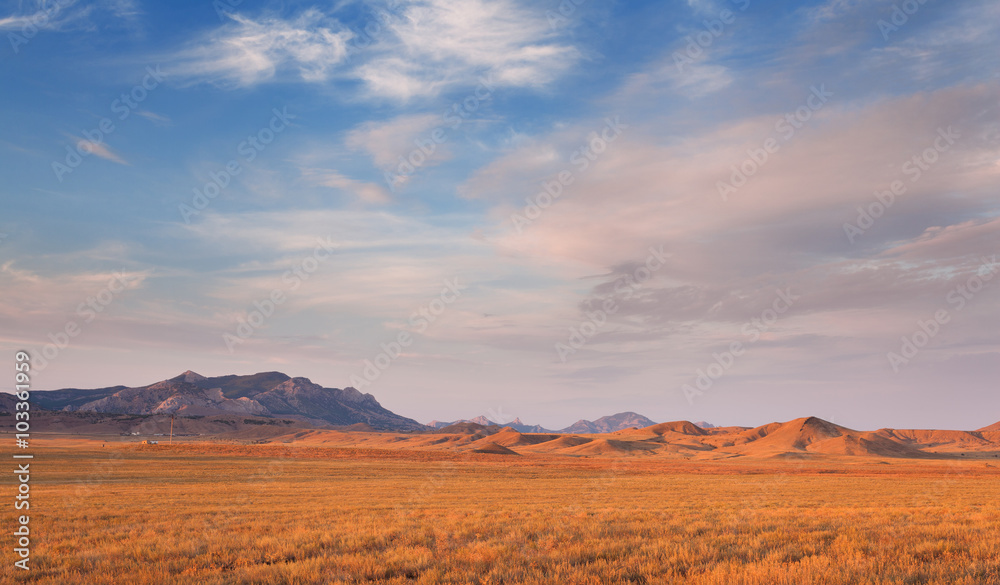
(106, 511)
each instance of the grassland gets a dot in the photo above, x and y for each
(212, 514)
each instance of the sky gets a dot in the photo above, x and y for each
(722, 210)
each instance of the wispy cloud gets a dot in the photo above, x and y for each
(100, 149)
(62, 15)
(666, 195)
(390, 142)
(365, 192)
(693, 80)
(440, 43)
(157, 119)
(43, 15)
(246, 52)
(428, 47)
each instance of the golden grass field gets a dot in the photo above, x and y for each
(204, 513)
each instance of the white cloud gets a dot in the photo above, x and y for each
(42, 16)
(62, 15)
(246, 51)
(443, 42)
(426, 47)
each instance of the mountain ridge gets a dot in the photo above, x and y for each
(268, 394)
(606, 424)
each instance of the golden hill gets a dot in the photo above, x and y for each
(808, 437)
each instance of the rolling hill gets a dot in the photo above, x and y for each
(804, 438)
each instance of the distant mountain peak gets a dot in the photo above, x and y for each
(354, 395)
(190, 377)
(609, 424)
(481, 420)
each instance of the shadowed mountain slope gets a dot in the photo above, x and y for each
(266, 394)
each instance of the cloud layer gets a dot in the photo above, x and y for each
(420, 49)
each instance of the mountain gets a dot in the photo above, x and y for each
(609, 424)
(515, 424)
(267, 394)
(991, 429)
(605, 424)
(62, 399)
(705, 425)
(8, 403)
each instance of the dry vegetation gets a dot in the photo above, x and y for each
(205, 514)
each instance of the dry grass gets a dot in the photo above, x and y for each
(270, 515)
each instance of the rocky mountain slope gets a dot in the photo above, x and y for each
(268, 394)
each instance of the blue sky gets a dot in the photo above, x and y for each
(370, 160)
